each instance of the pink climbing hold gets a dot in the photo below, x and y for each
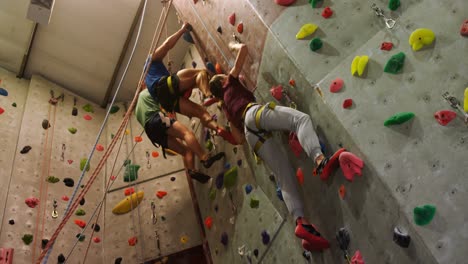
(277, 92)
(294, 144)
(96, 240)
(32, 202)
(129, 191)
(161, 194)
(386, 46)
(87, 117)
(336, 85)
(357, 258)
(445, 116)
(300, 176)
(240, 28)
(327, 12)
(112, 178)
(350, 165)
(232, 19)
(99, 147)
(285, 2)
(70, 161)
(65, 198)
(347, 103)
(2, 110)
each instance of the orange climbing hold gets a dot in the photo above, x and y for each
(292, 82)
(208, 222)
(342, 191)
(155, 154)
(129, 191)
(138, 139)
(96, 239)
(240, 27)
(132, 241)
(80, 223)
(300, 176)
(161, 194)
(232, 19)
(218, 69)
(99, 147)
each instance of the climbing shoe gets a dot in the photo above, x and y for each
(207, 163)
(210, 100)
(226, 135)
(311, 238)
(326, 167)
(199, 176)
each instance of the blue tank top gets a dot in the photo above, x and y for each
(156, 71)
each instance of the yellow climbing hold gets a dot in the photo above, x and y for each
(127, 132)
(184, 239)
(359, 65)
(306, 30)
(465, 102)
(129, 203)
(421, 37)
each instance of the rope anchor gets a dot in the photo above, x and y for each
(389, 22)
(54, 212)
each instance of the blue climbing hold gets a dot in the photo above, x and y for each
(248, 188)
(220, 180)
(187, 37)
(265, 237)
(227, 166)
(279, 193)
(210, 67)
(3, 92)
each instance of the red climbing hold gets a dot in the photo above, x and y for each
(218, 68)
(350, 165)
(208, 222)
(70, 161)
(112, 178)
(99, 147)
(155, 154)
(87, 117)
(445, 116)
(138, 139)
(240, 27)
(277, 92)
(161, 194)
(464, 28)
(357, 258)
(232, 19)
(32, 202)
(342, 191)
(65, 198)
(386, 46)
(132, 241)
(300, 176)
(294, 144)
(292, 82)
(327, 12)
(347, 103)
(336, 85)
(2, 110)
(129, 191)
(80, 223)
(96, 239)
(285, 2)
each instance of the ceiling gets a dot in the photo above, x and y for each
(80, 48)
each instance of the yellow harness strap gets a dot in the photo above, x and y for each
(169, 84)
(265, 134)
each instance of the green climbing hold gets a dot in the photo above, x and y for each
(209, 145)
(88, 108)
(80, 237)
(399, 118)
(393, 4)
(72, 130)
(27, 239)
(395, 64)
(13, 104)
(254, 203)
(234, 150)
(315, 44)
(83, 163)
(80, 212)
(112, 136)
(52, 179)
(230, 177)
(212, 194)
(114, 109)
(423, 215)
(315, 3)
(127, 162)
(131, 172)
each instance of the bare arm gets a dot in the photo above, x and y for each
(169, 43)
(240, 59)
(238, 135)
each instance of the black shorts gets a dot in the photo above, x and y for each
(156, 129)
(168, 95)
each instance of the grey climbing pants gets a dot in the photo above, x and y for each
(283, 119)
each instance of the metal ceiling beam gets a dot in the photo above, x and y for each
(25, 60)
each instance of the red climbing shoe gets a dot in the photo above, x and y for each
(226, 135)
(210, 100)
(326, 167)
(311, 238)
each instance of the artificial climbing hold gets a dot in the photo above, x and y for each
(342, 191)
(155, 154)
(132, 241)
(118, 260)
(265, 237)
(315, 44)
(163, 218)
(388, 46)
(336, 85)
(306, 30)
(70, 161)
(327, 12)
(210, 67)
(11, 222)
(399, 118)
(401, 237)
(80, 212)
(138, 139)
(315, 3)
(87, 117)
(80, 237)
(224, 239)
(219, 181)
(230, 177)
(194, 64)
(25, 149)
(99, 147)
(82, 186)
(131, 172)
(444, 117)
(208, 222)
(2, 110)
(347, 103)
(248, 188)
(13, 104)
(232, 19)
(161, 194)
(420, 38)
(188, 37)
(350, 165)
(464, 28)
(96, 227)
(83, 162)
(52, 179)
(423, 215)
(61, 259)
(80, 223)
(292, 82)
(129, 191)
(74, 111)
(44, 243)
(32, 202)
(82, 201)
(27, 239)
(254, 202)
(393, 4)
(255, 252)
(220, 30)
(218, 68)
(277, 92)
(45, 124)
(114, 109)
(129, 203)
(3, 92)
(96, 240)
(183, 239)
(359, 65)
(72, 130)
(357, 258)
(65, 198)
(88, 108)
(127, 162)
(227, 166)
(272, 177)
(173, 178)
(212, 194)
(300, 176)
(284, 2)
(395, 63)
(240, 27)
(209, 145)
(279, 193)
(69, 182)
(239, 162)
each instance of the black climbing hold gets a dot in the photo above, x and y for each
(13, 104)
(82, 186)
(306, 254)
(265, 237)
(45, 124)
(82, 201)
(224, 239)
(220, 180)
(163, 218)
(194, 64)
(279, 193)
(343, 238)
(69, 182)
(187, 37)
(220, 30)
(11, 222)
(127, 162)
(118, 260)
(61, 258)
(239, 163)
(114, 109)
(80, 237)
(44, 243)
(25, 150)
(75, 111)
(216, 208)
(96, 227)
(272, 177)
(173, 178)
(255, 252)
(401, 237)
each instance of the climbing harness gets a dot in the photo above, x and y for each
(455, 103)
(54, 212)
(389, 22)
